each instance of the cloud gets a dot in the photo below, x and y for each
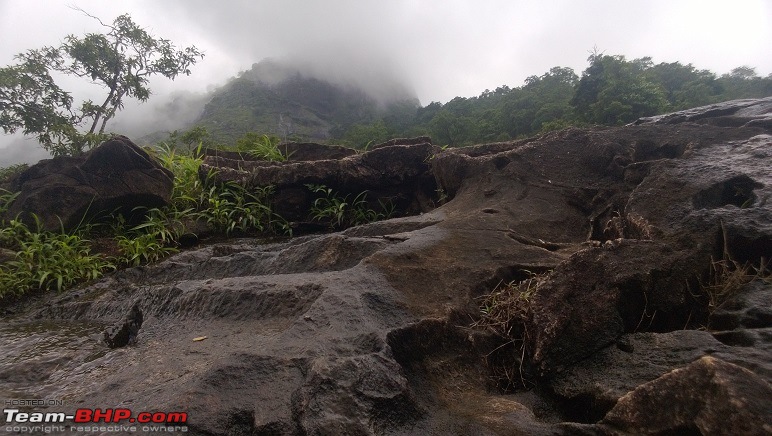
(20, 150)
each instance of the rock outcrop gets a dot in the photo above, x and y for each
(66, 191)
(371, 330)
(396, 172)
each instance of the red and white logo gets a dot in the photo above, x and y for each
(95, 420)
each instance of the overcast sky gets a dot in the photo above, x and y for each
(439, 48)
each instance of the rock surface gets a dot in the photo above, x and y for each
(369, 330)
(126, 331)
(67, 191)
(709, 396)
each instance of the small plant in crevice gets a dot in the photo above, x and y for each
(627, 226)
(340, 212)
(504, 313)
(442, 196)
(727, 278)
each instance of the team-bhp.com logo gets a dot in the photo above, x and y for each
(95, 420)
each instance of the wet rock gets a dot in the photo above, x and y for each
(398, 174)
(734, 113)
(751, 308)
(588, 389)
(369, 331)
(598, 294)
(709, 396)
(125, 332)
(67, 191)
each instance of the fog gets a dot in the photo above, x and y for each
(434, 49)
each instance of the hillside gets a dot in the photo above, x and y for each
(279, 100)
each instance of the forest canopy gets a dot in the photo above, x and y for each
(612, 90)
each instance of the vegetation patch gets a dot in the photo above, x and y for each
(38, 260)
(9, 172)
(340, 212)
(46, 260)
(726, 279)
(263, 147)
(504, 313)
(35, 260)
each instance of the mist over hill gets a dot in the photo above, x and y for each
(284, 100)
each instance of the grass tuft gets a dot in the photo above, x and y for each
(504, 312)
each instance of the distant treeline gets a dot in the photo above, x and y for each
(611, 91)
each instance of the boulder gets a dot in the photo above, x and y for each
(709, 396)
(598, 294)
(65, 192)
(590, 388)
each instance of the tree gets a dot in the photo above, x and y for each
(743, 82)
(120, 60)
(613, 90)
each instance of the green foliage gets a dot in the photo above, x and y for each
(361, 136)
(143, 248)
(6, 198)
(188, 188)
(191, 141)
(231, 208)
(9, 172)
(120, 60)
(228, 208)
(31, 101)
(46, 260)
(612, 90)
(263, 147)
(339, 212)
(615, 91)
